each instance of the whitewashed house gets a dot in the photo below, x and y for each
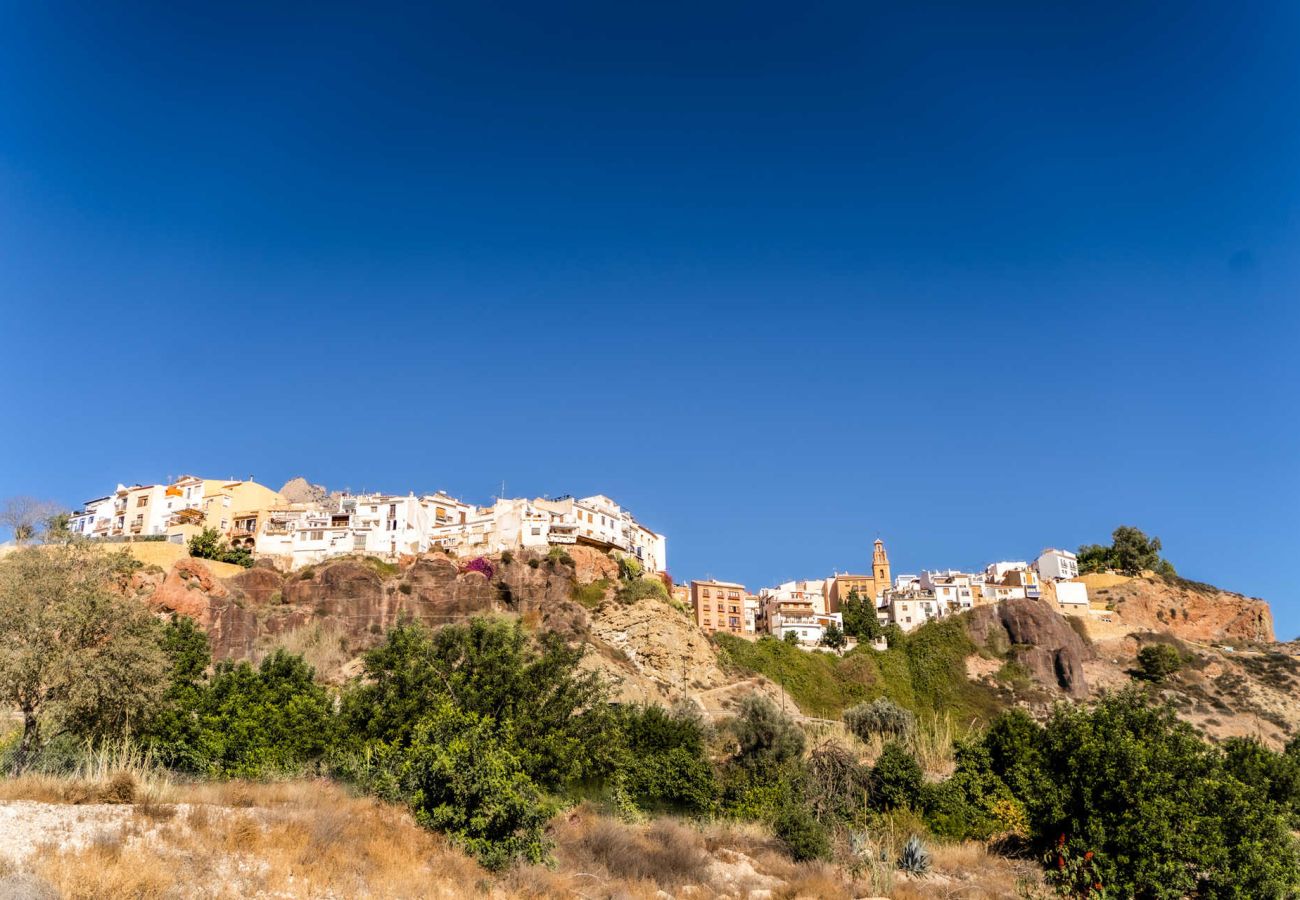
(1057, 565)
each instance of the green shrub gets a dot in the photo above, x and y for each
(767, 737)
(896, 778)
(591, 595)
(1162, 814)
(554, 716)
(460, 779)
(629, 568)
(242, 722)
(630, 592)
(664, 764)
(802, 834)
(881, 717)
(1156, 662)
(209, 544)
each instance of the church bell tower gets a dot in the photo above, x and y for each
(880, 567)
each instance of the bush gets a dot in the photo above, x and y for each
(767, 737)
(630, 592)
(896, 778)
(1156, 662)
(664, 764)
(802, 834)
(209, 544)
(914, 859)
(882, 717)
(1162, 814)
(629, 568)
(459, 779)
(554, 717)
(251, 723)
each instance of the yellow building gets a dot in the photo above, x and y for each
(235, 509)
(868, 586)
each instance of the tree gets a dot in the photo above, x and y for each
(664, 763)
(76, 656)
(1156, 662)
(1131, 553)
(243, 722)
(896, 778)
(1163, 817)
(27, 518)
(834, 637)
(791, 638)
(768, 738)
(209, 544)
(860, 619)
(461, 779)
(555, 714)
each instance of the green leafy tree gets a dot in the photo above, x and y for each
(556, 715)
(462, 779)
(1154, 804)
(76, 656)
(791, 637)
(834, 637)
(209, 544)
(1156, 662)
(860, 619)
(1275, 775)
(243, 722)
(664, 763)
(1131, 553)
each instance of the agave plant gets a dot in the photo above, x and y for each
(915, 859)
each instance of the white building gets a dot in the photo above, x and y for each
(952, 589)
(1072, 597)
(997, 572)
(1057, 565)
(95, 518)
(812, 592)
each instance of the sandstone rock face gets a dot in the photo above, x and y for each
(658, 653)
(1036, 636)
(1189, 610)
(589, 565)
(300, 490)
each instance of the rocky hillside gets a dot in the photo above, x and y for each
(1186, 609)
(650, 650)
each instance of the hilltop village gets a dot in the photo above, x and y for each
(302, 524)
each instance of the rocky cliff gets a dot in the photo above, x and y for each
(650, 651)
(1187, 609)
(1036, 636)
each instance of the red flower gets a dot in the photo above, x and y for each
(1088, 855)
(1060, 862)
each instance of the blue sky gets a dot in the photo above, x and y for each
(778, 278)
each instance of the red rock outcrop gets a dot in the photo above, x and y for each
(1189, 610)
(1036, 636)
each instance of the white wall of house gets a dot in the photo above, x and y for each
(1057, 565)
(1072, 595)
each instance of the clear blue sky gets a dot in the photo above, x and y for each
(779, 277)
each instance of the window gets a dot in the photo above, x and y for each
(706, 592)
(142, 500)
(392, 524)
(537, 531)
(317, 536)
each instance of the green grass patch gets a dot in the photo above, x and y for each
(591, 595)
(925, 672)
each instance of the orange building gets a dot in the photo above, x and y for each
(719, 606)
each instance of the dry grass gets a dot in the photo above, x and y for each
(665, 854)
(324, 646)
(290, 840)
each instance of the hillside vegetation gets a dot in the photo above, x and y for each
(924, 672)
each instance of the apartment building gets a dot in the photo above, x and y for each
(719, 606)
(1057, 565)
